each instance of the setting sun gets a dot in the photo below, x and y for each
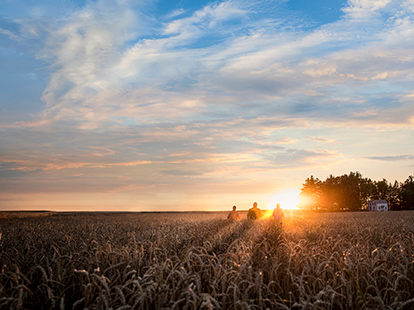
(288, 199)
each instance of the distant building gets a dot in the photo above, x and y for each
(377, 205)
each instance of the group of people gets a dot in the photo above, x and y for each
(255, 213)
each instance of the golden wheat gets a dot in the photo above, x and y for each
(202, 261)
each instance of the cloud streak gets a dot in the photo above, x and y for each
(393, 158)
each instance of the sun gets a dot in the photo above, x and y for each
(288, 199)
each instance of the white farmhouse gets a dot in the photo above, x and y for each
(377, 205)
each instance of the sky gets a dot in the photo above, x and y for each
(199, 105)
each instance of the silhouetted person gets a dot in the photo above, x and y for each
(278, 213)
(233, 215)
(254, 213)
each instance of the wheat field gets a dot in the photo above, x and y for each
(202, 261)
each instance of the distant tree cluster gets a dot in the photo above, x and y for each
(351, 192)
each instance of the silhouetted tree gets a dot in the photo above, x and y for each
(332, 198)
(347, 192)
(310, 194)
(407, 193)
(382, 190)
(394, 196)
(352, 192)
(368, 190)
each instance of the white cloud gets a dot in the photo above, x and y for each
(84, 49)
(254, 68)
(175, 13)
(206, 19)
(360, 9)
(321, 71)
(11, 35)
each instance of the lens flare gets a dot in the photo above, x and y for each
(288, 199)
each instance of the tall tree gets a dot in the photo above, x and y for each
(349, 192)
(352, 191)
(332, 195)
(407, 193)
(382, 190)
(394, 197)
(310, 194)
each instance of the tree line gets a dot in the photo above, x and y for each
(351, 192)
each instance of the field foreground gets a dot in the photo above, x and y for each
(202, 261)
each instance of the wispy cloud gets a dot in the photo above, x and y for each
(11, 35)
(228, 92)
(320, 139)
(362, 9)
(392, 158)
(100, 77)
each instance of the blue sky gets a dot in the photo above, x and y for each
(182, 105)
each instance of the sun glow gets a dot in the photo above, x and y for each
(288, 199)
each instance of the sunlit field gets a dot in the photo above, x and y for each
(202, 261)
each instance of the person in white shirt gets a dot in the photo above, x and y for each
(278, 213)
(233, 215)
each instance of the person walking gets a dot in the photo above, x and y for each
(233, 215)
(254, 213)
(278, 213)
